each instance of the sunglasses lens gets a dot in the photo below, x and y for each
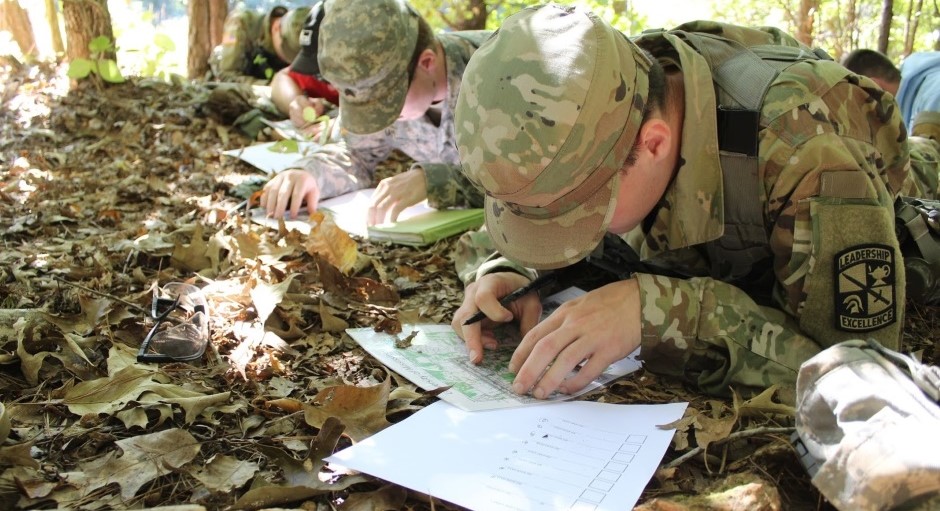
(184, 341)
(181, 331)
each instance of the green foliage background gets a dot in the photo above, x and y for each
(834, 28)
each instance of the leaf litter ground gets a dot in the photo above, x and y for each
(107, 193)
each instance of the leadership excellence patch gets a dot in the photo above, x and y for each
(865, 294)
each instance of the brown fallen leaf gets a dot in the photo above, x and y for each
(361, 409)
(358, 289)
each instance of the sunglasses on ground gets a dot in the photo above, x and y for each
(180, 331)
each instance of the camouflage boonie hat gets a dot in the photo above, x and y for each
(365, 49)
(292, 23)
(273, 14)
(546, 116)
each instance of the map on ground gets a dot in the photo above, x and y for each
(432, 356)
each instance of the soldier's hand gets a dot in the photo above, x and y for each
(290, 187)
(585, 335)
(299, 114)
(394, 194)
(483, 295)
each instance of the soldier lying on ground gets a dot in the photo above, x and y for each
(398, 84)
(300, 91)
(255, 45)
(763, 214)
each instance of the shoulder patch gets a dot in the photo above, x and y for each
(865, 288)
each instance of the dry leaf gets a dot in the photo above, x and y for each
(142, 459)
(361, 409)
(331, 243)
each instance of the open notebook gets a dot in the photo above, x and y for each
(418, 225)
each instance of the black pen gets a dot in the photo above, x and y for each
(542, 281)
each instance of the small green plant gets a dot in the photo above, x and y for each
(152, 63)
(107, 69)
(310, 116)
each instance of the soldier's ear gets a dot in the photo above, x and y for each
(655, 139)
(427, 60)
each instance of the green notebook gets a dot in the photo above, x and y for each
(429, 227)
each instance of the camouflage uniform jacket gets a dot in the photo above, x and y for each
(246, 49)
(829, 246)
(350, 164)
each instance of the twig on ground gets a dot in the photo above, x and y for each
(103, 295)
(733, 436)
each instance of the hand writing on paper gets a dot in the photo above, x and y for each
(585, 334)
(483, 295)
(394, 194)
(292, 187)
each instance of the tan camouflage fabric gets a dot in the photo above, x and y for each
(869, 430)
(350, 165)
(925, 166)
(247, 50)
(548, 156)
(819, 128)
(927, 125)
(364, 51)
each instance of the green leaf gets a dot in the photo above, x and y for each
(80, 68)
(284, 146)
(268, 73)
(310, 114)
(99, 44)
(164, 42)
(109, 72)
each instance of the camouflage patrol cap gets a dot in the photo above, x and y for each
(292, 23)
(364, 51)
(275, 13)
(545, 118)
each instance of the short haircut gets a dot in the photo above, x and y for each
(872, 64)
(425, 40)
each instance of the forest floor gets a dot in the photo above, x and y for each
(109, 191)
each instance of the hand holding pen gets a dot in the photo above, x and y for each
(535, 285)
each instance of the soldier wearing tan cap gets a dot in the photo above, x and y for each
(766, 226)
(398, 84)
(257, 45)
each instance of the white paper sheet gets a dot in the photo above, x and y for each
(350, 213)
(561, 456)
(271, 162)
(437, 357)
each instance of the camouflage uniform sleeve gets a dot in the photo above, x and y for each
(839, 273)
(927, 125)
(925, 167)
(346, 165)
(475, 256)
(447, 187)
(713, 334)
(231, 61)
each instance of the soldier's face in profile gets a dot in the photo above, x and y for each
(422, 89)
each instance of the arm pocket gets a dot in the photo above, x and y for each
(855, 286)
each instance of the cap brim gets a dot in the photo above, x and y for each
(554, 242)
(376, 114)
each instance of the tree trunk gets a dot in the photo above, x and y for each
(910, 26)
(197, 61)
(84, 21)
(807, 20)
(14, 19)
(52, 18)
(884, 33)
(478, 14)
(218, 11)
